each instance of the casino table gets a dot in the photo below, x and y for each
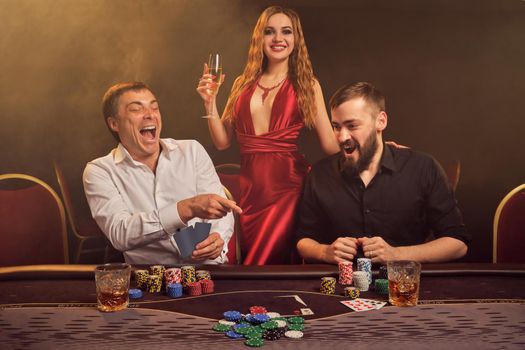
(462, 306)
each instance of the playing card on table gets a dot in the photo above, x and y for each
(306, 311)
(376, 303)
(358, 305)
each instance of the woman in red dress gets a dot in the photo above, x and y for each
(274, 98)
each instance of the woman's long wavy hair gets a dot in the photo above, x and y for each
(300, 70)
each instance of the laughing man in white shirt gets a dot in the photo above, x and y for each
(147, 189)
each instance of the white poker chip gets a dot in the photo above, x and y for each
(281, 323)
(273, 314)
(294, 334)
(358, 274)
(226, 322)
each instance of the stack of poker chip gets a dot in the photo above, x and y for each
(328, 285)
(154, 284)
(176, 280)
(194, 288)
(203, 275)
(158, 270)
(365, 264)
(172, 275)
(256, 328)
(174, 290)
(361, 280)
(135, 293)
(208, 286)
(352, 292)
(345, 273)
(188, 275)
(142, 278)
(381, 286)
(383, 272)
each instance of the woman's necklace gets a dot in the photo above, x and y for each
(267, 90)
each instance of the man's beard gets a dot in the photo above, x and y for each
(353, 167)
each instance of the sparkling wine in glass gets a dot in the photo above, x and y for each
(215, 69)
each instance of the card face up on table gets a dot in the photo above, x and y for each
(189, 237)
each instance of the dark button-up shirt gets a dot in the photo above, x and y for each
(407, 199)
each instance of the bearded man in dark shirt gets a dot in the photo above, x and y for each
(373, 199)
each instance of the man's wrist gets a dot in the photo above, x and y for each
(323, 253)
(184, 209)
(399, 253)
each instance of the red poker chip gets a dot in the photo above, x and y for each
(258, 310)
(195, 288)
(207, 286)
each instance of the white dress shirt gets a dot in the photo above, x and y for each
(137, 209)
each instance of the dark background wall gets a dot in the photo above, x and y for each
(453, 73)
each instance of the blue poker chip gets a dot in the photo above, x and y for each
(234, 335)
(135, 293)
(249, 318)
(174, 290)
(260, 318)
(233, 316)
(241, 325)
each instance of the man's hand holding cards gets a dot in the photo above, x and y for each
(198, 243)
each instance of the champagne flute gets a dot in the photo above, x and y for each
(215, 69)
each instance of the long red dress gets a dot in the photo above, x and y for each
(272, 177)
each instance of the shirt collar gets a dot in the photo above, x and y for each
(387, 159)
(121, 153)
(166, 145)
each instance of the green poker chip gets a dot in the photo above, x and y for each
(296, 327)
(254, 334)
(255, 329)
(296, 320)
(254, 342)
(269, 325)
(245, 330)
(219, 327)
(381, 286)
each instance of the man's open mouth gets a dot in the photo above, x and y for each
(149, 132)
(349, 146)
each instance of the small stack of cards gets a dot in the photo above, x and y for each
(361, 304)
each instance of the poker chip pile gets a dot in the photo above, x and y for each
(361, 279)
(352, 292)
(365, 264)
(381, 286)
(259, 326)
(345, 273)
(177, 281)
(328, 285)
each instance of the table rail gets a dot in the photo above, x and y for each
(307, 271)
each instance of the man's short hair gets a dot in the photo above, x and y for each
(363, 90)
(111, 99)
